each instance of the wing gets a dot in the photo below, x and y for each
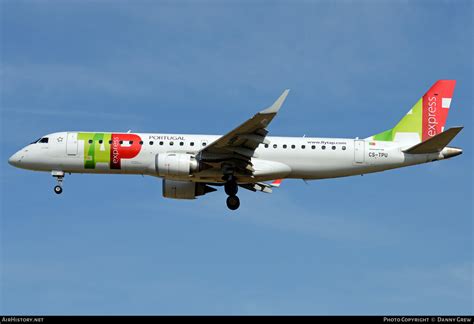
(235, 149)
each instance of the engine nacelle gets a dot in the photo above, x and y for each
(175, 164)
(184, 189)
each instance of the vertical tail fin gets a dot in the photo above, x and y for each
(425, 119)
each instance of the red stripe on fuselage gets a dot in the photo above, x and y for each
(125, 150)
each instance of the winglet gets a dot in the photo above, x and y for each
(273, 109)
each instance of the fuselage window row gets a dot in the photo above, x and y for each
(303, 147)
(171, 143)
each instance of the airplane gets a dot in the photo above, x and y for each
(194, 165)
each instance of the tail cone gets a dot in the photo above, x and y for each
(449, 152)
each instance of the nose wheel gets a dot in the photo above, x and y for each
(58, 190)
(59, 175)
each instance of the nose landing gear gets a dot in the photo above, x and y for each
(58, 189)
(59, 175)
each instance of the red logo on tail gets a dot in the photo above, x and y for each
(436, 103)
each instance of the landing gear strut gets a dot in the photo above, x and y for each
(59, 175)
(231, 188)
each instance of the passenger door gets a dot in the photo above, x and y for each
(359, 151)
(71, 145)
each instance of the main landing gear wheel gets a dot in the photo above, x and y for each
(58, 189)
(231, 188)
(233, 202)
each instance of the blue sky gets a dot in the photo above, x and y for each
(398, 242)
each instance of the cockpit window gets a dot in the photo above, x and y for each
(43, 140)
(34, 142)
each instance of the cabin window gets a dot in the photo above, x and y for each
(343, 148)
(161, 143)
(90, 141)
(110, 141)
(266, 145)
(284, 146)
(303, 147)
(181, 143)
(275, 146)
(192, 143)
(131, 142)
(323, 147)
(204, 143)
(171, 143)
(313, 147)
(101, 141)
(333, 147)
(121, 142)
(141, 142)
(151, 142)
(293, 146)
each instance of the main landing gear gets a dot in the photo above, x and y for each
(233, 202)
(231, 188)
(59, 175)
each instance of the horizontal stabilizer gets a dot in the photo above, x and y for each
(262, 186)
(436, 143)
(276, 183)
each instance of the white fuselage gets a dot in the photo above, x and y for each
(281, 157)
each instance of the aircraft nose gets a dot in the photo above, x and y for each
(14, 159)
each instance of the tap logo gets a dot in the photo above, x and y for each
(436, 103)
(109, 148)
(426, 118)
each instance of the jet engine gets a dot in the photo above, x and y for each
(175, 164)
(184, 189)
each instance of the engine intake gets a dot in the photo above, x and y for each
(184, 189)
(175, 164)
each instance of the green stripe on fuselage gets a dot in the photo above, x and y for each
(95, 152)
